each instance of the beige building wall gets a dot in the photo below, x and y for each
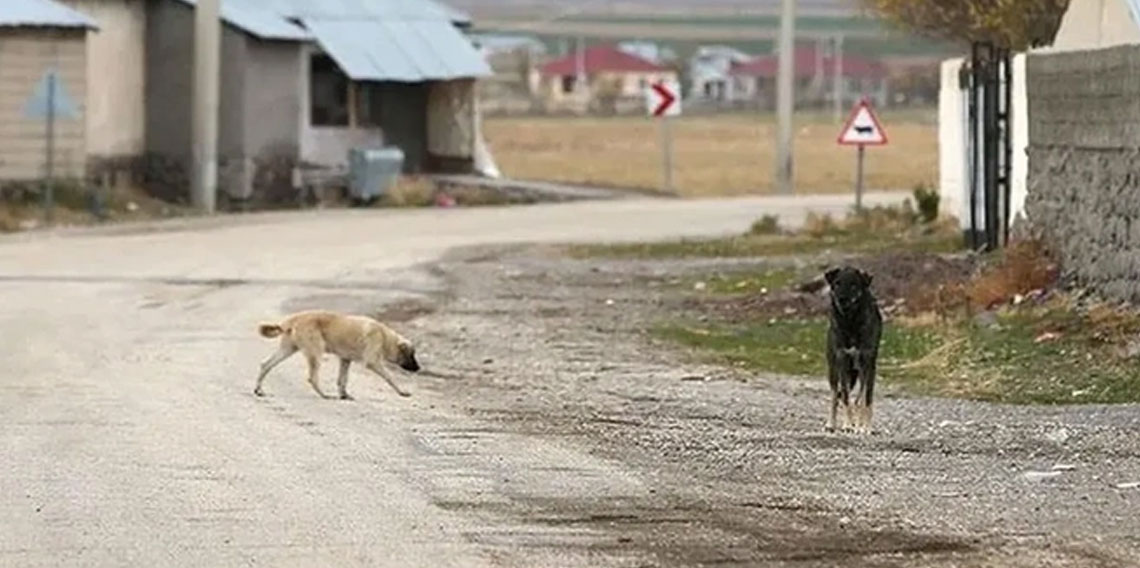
(634, 84)
(629, 86)
(1092, 24)
(116, 113)
(26, 54)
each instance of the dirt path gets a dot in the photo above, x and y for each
(556, 436)
(736, 468)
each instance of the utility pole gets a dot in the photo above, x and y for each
(580, 65)
(837, 69)
(785, 102)
(204, 123)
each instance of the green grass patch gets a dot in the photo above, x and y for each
(1047, 355)
(771, 245)
(1022, 360)
(794, 346)
(751, 281)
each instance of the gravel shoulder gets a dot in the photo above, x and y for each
(728, 468)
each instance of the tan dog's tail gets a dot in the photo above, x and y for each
(270, 330)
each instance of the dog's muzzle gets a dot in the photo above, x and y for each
(411, 366)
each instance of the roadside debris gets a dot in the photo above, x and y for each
(1040, 475)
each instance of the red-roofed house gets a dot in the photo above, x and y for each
(814, 72)
(611, 77)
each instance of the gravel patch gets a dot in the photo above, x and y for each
(743, 472)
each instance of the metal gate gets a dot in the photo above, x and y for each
(986, 81)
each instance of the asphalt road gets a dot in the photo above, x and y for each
(129, 435)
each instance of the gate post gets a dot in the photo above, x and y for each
(990, 82)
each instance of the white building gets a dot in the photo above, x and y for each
(1087, 24)
(710, 79)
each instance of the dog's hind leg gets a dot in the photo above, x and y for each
(342, 380)
(315, 373)
(284, 351)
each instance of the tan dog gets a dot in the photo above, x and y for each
(351, 338)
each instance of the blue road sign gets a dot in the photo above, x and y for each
(37, 106)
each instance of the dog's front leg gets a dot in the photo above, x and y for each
(834, 412)
(860, 387)
(380, 370)
(833, 382)
(342, 380)
(867, 388)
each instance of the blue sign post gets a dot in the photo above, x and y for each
(49, 102)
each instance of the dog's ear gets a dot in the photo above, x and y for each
(830, 275)
(866, 277)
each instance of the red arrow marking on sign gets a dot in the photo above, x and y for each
(667, 98)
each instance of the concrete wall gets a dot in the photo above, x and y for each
(1019, 142)
(953, 178)
(272, 119)
(258, 108)
(273, 110)
(116, 117)
(26, 54)
(1084, 163)
(452, 126)
(169, 85)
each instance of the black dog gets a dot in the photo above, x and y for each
(856, 325)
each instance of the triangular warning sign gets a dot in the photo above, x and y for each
(50, 88)
(862, 127)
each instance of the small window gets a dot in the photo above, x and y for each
(328, 89)
(568, 82)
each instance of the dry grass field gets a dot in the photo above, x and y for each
(717, 155)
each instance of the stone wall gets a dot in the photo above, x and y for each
(1084, 164)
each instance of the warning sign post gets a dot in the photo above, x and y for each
(862, 129)
(663, 100)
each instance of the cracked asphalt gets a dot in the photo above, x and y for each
(549, 431)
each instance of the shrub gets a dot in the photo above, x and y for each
(927, 201)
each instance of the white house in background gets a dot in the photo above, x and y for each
(709, 77)
(649, 51)
(493, 44)
(1087, 24)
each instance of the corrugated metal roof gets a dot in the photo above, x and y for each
(354, 9)
(259, 22)
(379, 40)
(398, 50)
(41, 13)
